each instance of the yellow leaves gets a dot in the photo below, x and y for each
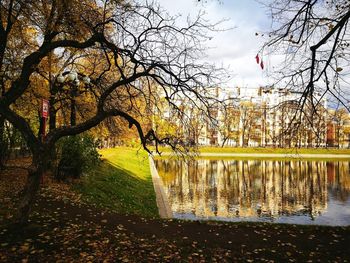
(120, 227)
(31, 31)
(339, 69)
(25, 247)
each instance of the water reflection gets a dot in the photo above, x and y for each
(294, 191)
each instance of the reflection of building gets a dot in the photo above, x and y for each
(251, 188)
(337, 182)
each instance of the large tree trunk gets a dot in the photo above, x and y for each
(31, 188)
(3, 142)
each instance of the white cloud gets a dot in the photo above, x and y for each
(237, 47)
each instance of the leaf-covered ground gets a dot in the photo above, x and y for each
(64, 229)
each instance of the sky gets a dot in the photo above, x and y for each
(236, 48)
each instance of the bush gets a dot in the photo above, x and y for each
(12, 143)
(76, 154)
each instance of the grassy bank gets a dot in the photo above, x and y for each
(122, 183)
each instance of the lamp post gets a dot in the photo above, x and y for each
(72, 79)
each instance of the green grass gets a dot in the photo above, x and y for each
(267, 150)
(121, 183)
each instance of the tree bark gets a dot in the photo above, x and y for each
(52, 119)
(223, 142)
(3, 142)
(72, 113)
(31, 188)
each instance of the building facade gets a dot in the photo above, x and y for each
(247, 117)
(271, 117)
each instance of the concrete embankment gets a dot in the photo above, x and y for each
(161, 198)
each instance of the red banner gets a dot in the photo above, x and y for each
(45, 108)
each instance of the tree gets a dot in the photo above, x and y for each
(114, 44)
(340, 120)
(313, 36)
(197, 122)
(250, 117)
(229, 128)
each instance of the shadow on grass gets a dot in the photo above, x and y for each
(128, 171)
(119, 189)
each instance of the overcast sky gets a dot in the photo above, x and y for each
(235, 48)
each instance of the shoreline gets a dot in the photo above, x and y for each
(278, 155)
(264, 155)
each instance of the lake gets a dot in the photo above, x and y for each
(293, 191)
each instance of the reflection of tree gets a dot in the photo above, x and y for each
(252, 188)
(338, 184)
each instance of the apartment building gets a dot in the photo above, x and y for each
(256, 117)
(268, 116)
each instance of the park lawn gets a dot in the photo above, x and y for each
(121, 183)
(266, 150)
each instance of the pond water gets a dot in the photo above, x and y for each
(293, 191)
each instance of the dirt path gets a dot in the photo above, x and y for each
(67, 232)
